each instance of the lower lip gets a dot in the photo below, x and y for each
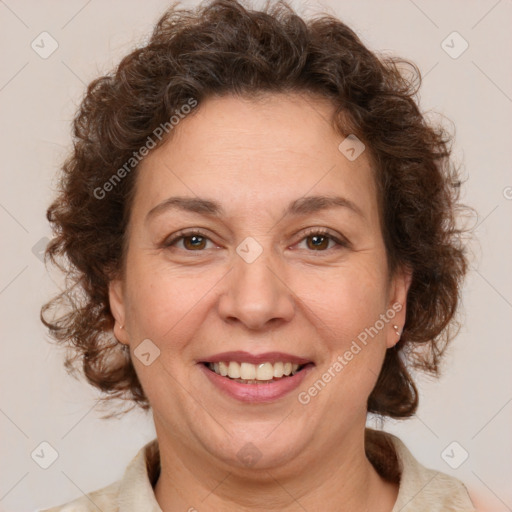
(264, 392)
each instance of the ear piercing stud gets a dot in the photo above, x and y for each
(396, 330)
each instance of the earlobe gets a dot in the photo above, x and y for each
(115, 294)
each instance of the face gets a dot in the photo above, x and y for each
(249, 266)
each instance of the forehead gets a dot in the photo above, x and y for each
(256, 153)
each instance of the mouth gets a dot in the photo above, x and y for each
(255, 378)
(248, 373)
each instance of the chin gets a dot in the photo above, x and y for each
(266, 445)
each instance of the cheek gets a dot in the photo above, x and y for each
(347, 300)
(346, 307)
(165, 300)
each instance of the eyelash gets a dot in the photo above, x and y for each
(181, 235)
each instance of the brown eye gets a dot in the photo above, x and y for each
(318, 242)
(194, 242)
(191, 241)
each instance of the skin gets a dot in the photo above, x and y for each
(254, 158)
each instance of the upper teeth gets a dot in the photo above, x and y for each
(248, 371)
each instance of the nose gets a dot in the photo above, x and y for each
(256, 294)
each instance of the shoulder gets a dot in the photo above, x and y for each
(422, 489)
(132, 493)
(104, 499)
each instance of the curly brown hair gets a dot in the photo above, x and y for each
(222, 47)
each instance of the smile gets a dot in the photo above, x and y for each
(249, 373)
(264, 378)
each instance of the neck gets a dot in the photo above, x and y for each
(336, 479)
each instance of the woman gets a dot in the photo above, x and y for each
(259, 225)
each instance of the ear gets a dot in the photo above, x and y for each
(117, 306)
(397, 307)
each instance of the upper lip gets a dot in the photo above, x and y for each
(246, 357)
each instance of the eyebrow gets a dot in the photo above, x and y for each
(301, 206)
